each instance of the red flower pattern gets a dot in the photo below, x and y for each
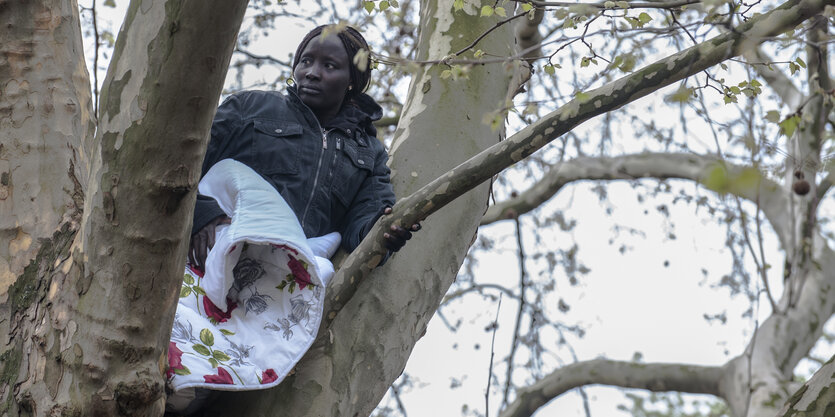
(268, 376)
(285, 247)
(222, 377)
(195, 270)
(175, 359)
(214, 313)
(300, 274)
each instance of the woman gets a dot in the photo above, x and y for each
(316, 145)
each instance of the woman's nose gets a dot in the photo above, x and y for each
(312, 72)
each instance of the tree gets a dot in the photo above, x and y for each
(98, 231)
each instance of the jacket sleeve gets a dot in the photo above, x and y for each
(374, 195)
(225, 127)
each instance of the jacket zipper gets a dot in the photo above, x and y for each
(316, 177)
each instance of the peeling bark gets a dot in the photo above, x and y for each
(91, 314)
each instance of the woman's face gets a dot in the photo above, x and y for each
(323, 75)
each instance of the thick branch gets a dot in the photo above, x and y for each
(493, 160)
(816, 398)
(652, 376)
(629, 167)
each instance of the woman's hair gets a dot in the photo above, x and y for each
(354, 43)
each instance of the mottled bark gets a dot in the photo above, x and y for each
(816, 398)
(90, 320)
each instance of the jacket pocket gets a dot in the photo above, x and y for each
(276, 146)
(356, 166)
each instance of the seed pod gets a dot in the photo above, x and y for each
(801, 187)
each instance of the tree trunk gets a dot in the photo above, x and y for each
(90, 317)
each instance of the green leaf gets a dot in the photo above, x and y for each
(500, 11)
(227, 332)
(188, 279)
(220, 356)
(717, 179)
(788, 126)
(793, 68)
(185, 291)
(203, 350)
(772, 116)
(384, 5)
(682, 95)
(644, 18)
(207, 337)
(729, 99)
(199, 290)
(486, 11)
(748, 179)
(369, 6)
(458, 5)
(183, 371)
(444, 75)
(109, 3)
(281, 285)
(800, 62)
(394, 3)
(561, 13)
(622, 4)
(549, 69)
(526, 7)
(213, 362)
(531, 108)
(609, 4)
(478, 54)
(569, 23)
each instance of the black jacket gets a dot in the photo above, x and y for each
(334, 177)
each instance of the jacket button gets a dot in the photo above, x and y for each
(360, 161)
(278, 131)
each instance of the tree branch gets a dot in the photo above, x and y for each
(602, 5)
(648, 165)
(652, 376)
(493, 160)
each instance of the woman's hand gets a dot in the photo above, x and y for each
(202, 241)
(397, 237)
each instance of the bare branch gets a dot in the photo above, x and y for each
(628, 167)
(603, 5)
(650, 376)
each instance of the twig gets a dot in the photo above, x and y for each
(487, 32)
(396, 395)
(522, 284)
(492, 354)
(602, 5)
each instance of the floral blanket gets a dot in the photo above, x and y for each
(247, 321)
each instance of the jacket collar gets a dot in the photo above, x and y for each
(359, 113)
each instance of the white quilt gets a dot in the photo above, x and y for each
(247, 321)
